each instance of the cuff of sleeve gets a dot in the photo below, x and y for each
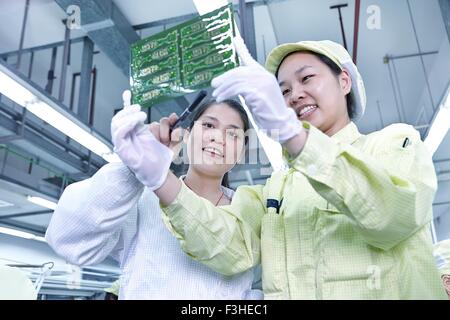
(184, 200)
(120, 173)
(168, 154)
(169, 212)
(318, 155)
(187, 211)
(291, 127)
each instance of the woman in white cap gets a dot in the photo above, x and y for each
(349, 220)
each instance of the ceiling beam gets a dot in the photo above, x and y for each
(96, 161)
(27, 187)
(147, 25)
(47, 146)
(107, 27)
(25, 214)
(42, 47)
(356, 30)
(85, 80)
(444, 203)
(445, 10)
(38, 230)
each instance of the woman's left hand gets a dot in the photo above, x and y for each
(163, 133)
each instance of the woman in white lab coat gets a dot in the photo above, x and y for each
(114, 214)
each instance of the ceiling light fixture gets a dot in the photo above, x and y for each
(42, 202)
(4, 204)
(19, 90)
(21, 234)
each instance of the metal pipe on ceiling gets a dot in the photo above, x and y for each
(22, 33)
(433, 106)
(356, 30)
(400, 96)
(390, 57)
(51, 71)
(380, 114)
(394, 91)
(47, 141)
(339, 6)
(441, 160)
(42, 47)
(92, 101)
(65, 62)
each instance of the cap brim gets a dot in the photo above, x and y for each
(277, 55)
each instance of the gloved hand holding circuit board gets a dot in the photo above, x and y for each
(183, 59)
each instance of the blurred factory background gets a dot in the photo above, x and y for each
(401, 48)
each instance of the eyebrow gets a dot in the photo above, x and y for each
(228, 126)
(299, 70)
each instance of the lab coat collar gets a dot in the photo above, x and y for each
(348, 134)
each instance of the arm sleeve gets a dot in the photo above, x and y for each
(387, 191)
(86, 225)
(226, 238)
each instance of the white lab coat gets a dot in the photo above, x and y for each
(113, 214)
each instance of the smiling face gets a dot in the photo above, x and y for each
(216, 141)
(315, 93)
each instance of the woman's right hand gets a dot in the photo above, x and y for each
(137, 147)
(171, 139)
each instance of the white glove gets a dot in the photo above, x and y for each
(137, 147)
(261, 92)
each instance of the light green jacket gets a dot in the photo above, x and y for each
(354, 221)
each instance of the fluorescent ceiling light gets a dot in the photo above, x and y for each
(28, 97)
(14, 91)
(440, 125)
(205, 6)
(21, 234)
(5, 204)
(39, 238)
(42, 202)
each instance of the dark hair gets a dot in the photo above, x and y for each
(233, 104)
(337, 71)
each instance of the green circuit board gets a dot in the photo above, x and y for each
(182, 59)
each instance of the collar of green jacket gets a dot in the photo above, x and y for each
(348, 134)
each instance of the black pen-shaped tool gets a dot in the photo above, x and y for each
(201, 95)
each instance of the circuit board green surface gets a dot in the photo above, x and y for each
(182, 59)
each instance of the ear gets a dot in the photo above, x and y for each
(345, 81)
(186, 134)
